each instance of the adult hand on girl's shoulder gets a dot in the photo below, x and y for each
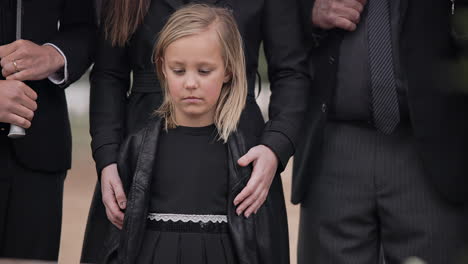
(265, 164)
(113, 195)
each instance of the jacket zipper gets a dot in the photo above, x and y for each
(453, 6)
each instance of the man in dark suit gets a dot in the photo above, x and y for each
(383, 167)
(35, 72)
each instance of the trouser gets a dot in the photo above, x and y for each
(371, 200)
(30, 208)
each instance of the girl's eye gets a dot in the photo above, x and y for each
(178, 71)
(204, 72)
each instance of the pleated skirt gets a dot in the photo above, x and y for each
(162, 247)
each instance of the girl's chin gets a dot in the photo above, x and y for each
(194, 110)
(196, 114)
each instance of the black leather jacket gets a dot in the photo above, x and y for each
(262, 238)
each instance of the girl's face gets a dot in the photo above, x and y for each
(194, 70)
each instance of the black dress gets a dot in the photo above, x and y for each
(187, 221)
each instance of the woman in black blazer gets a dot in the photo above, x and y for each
(125, 92)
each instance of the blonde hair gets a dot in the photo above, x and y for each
(192, 20)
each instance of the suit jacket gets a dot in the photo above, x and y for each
(438, 106)
(47, 144)
(262, 238)
(273, 22)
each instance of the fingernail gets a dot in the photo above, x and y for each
(238, 212)
(122, 205)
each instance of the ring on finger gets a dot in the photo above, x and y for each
(16, 66)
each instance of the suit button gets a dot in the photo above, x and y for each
(324, 108)
(331, 60)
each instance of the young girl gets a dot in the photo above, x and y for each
(180, 172)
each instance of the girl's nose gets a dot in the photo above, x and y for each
(191, 82)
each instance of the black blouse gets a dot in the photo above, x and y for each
(191, 173)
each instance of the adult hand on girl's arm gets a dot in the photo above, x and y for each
(113, 195)
(265, 164)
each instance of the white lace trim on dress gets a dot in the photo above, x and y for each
(188, 218)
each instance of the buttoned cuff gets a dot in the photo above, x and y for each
(61, 76)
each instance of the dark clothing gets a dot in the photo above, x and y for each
(371, 191)
(190, 172)
(365, 195)
(352, 100)
(261, 238)
(273, 22)
(31, 182)
(437, 110)
(30, 208)
(189, 178)
(186, 248)
(49, 135)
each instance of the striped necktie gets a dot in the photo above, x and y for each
(385, 108)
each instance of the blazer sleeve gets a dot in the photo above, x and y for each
(76, 37)
(110, 80)
(287, 71)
